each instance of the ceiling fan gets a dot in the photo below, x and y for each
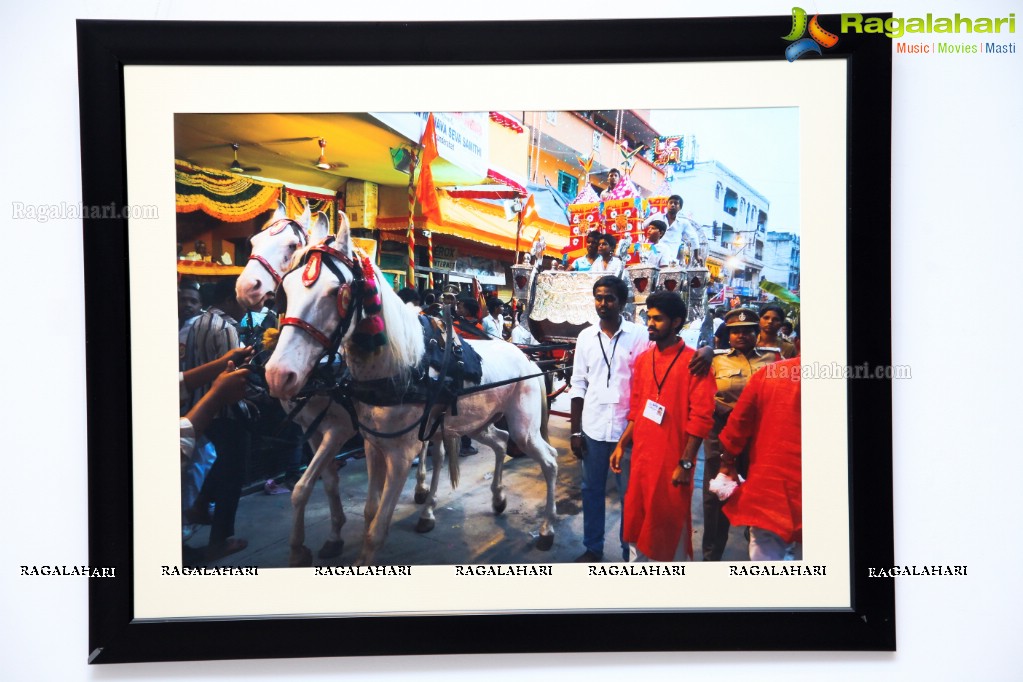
(236, 167)
(322, 163)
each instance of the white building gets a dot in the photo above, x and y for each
(733, 216)
(781, 259)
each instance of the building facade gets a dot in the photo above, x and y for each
(733, 216)
(781, 259)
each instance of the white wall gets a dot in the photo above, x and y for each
(957, 464)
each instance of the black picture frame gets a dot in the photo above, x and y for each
(106, 47)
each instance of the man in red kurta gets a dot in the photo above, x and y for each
(770, 502)
(671, 413)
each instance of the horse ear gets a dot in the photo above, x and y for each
(343, 238)
(280, 213)
(303, 219)
(318, 227)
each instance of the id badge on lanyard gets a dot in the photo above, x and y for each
(654, 411)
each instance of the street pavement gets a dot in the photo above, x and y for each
(467, 531)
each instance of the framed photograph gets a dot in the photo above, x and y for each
(171, 111)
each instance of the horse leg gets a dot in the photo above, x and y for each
(376, 469)
(333, 545)
(421, 490)
(394, 466)
(498, 440)
(527, 425)
(427, 520)
(299, 554)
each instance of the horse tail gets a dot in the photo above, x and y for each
(451, 448)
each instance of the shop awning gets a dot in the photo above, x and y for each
(492, 192)
(507, 120)
(482, 222)
(505, 178)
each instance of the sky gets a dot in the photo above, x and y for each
(761, 146)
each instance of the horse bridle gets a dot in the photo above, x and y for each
(276, 228)
(312, 260)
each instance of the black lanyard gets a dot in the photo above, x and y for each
(653, 366)
(614, 347)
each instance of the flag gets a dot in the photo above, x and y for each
(529, 213)
(426, 192)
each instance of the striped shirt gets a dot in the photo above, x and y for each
(208, 339)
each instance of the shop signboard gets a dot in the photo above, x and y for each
(462, 137)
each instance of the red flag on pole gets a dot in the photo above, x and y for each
(426, 192)
(529, 214)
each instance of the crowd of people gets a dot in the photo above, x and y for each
(220, 413)
(643, 406)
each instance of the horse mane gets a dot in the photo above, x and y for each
(404, 347)
(404, 334)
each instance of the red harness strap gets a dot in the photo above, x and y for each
(312, 331)
(269, 268)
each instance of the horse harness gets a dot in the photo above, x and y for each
(455, 362)
(276, 228)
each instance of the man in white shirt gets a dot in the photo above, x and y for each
(601, 374)
(651, 251)
(672, 239)
(493, 324)
(520, 335)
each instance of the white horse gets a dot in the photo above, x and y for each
(273, 249)
(320, 306)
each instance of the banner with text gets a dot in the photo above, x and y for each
(462, 137)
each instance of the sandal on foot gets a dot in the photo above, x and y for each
(272, 487)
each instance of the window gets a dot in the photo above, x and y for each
(552, 118)
(731, 203)
(568, 185)
(727, 235)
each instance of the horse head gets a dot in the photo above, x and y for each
(335, 300)
(319, 307)
(273, 249)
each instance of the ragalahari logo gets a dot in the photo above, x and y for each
(818, 36)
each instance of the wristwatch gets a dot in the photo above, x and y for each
(685, 464)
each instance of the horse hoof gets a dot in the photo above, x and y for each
(421, 496)
(500, 506)
(545, 542)
(425, 525)
(301, 559)
(331, 549)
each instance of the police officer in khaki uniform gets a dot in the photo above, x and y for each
(732, 368)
